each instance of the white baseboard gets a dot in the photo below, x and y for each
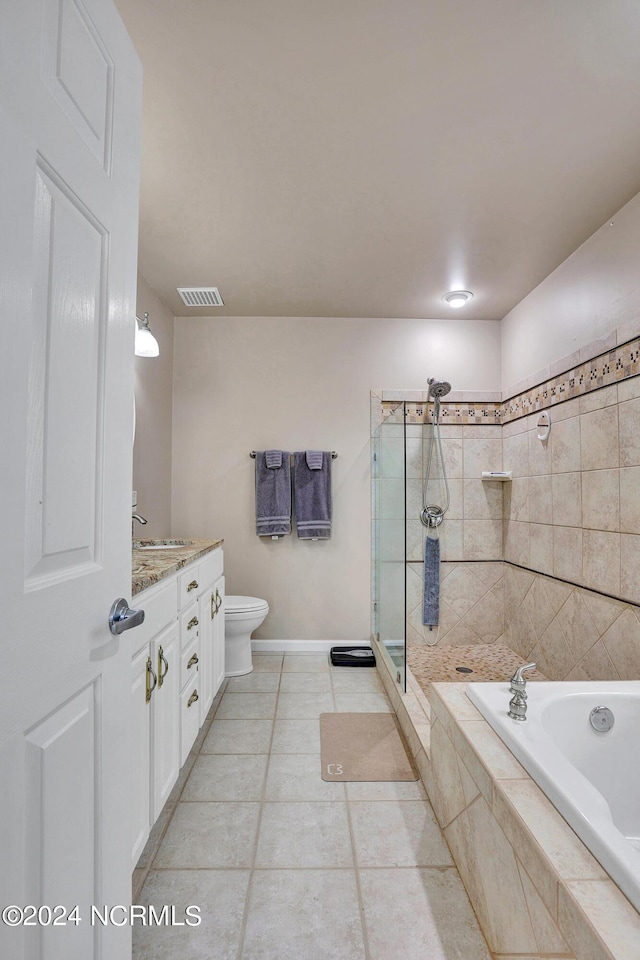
(302, 646)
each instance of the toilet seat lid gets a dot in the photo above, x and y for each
(244, 604)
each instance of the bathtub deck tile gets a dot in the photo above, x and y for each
(449, 703)
(548, 937)
(545, 842)
(489, 871)
(486, 756)
(599, 922)
(454, 697)
(451, 786)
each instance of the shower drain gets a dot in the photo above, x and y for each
(464, 669)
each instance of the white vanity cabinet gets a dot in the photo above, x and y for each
(155, 673)
(177, 668)
(211, 616)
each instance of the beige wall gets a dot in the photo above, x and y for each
(253, 383)
(594, 291)
(152, 446)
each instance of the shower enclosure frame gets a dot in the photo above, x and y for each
(401, 482)
(389, 542)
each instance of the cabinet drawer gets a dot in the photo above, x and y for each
(199, 576)
(189, 624)
(159, 605)
(189, 584)
(189, 718)
(190, 662)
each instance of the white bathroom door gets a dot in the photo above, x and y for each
(69, 180)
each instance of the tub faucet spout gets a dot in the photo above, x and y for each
(518, 680)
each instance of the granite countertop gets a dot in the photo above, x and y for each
(151, 566)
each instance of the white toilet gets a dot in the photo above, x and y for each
(242, 616)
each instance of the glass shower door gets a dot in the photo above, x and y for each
(389, 540)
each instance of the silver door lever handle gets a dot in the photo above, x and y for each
(122, 617)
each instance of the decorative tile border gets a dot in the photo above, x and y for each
(617, 364)
(481, 413)
(454, 413)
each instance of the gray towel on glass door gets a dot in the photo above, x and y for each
(273, 496)
(312, 494)
(431, 600)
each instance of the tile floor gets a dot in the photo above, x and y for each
(285, 866)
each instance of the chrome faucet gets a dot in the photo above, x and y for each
(518, 702)
(136, 516)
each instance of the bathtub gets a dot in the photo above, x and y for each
(592, 778)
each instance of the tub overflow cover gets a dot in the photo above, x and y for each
(602, 719)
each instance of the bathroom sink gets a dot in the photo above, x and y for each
(160, 544)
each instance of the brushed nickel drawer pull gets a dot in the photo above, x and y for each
(148, 687)
(192, 661)
(162, 659)
(192, 586)
(192, 698)
(192, 623)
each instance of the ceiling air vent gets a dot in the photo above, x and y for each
(201, 296)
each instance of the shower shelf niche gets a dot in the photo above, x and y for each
(502, 475)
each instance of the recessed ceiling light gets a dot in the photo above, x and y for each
(457, 298)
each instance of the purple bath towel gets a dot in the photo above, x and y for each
(273, 495)
(312, 493)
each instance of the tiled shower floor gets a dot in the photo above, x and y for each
(285, 866)
(480, 661)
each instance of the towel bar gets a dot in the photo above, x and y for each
(334, 455)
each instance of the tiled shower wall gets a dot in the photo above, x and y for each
(571, 518)
(471, 603)
(573, 508)
(572, 512)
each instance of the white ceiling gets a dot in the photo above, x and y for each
(359, 158)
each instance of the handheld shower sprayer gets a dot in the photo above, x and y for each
(432, 514)
(437, 389)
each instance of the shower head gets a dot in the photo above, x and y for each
(438, 388)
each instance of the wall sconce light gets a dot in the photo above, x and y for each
(146, 343)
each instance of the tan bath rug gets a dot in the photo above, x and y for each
(363, 746)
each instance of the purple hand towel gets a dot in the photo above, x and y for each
(273, 496)
(431, 594)
(312, 493)
(273, 459)
(314, 459)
